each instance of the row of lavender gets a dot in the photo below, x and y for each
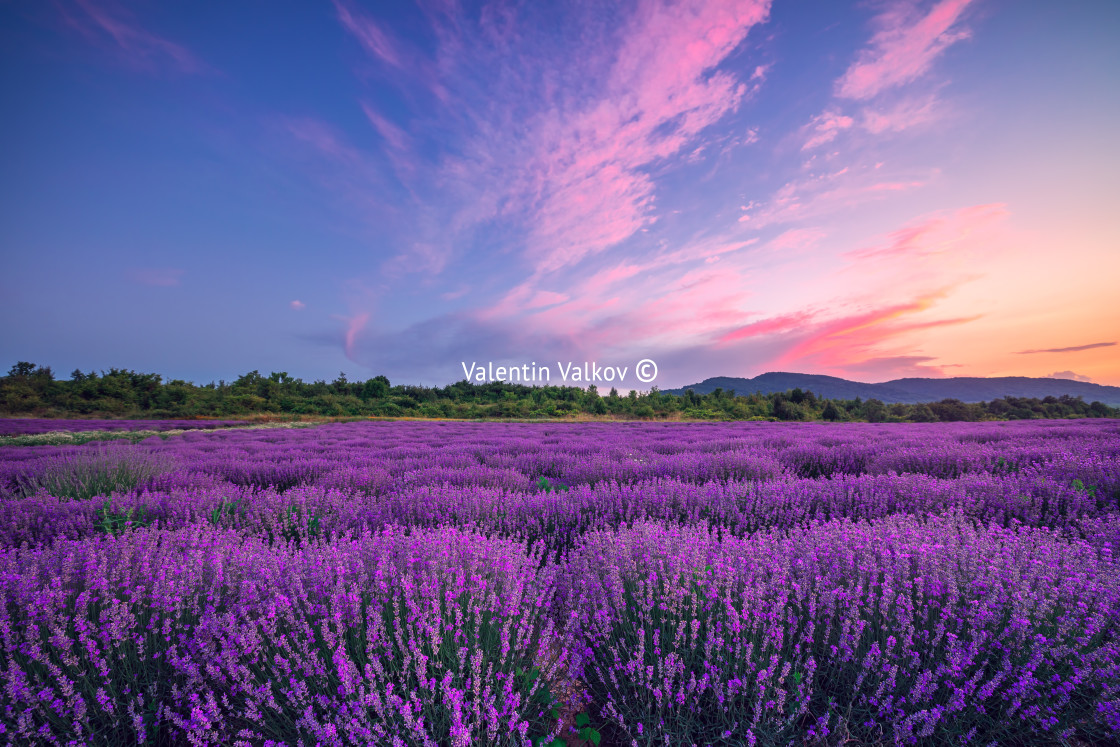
(904, 631)
(33, 426)
(380, 458)
(557, 520)
(421, 584)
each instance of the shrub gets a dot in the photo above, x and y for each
(202, 636)
(901, 631)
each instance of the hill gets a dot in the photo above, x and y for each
(911, 391)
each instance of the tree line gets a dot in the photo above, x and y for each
(31, 390)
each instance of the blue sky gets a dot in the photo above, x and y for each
(869, 190)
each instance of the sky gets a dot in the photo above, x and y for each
(871, 190)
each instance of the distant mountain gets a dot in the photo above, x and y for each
(910, 391)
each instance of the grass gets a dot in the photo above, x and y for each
(85, 475)
(76, 438)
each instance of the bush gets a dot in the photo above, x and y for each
(902, 631)
(433, 637)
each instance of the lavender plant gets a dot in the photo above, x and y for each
(903, 631)
(81, 474)
(418, 583)
(207, 637)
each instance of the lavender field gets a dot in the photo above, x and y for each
(529, 584)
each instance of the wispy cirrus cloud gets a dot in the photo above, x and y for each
(901, 115)
(352, 176)
(898, 116)
(427, 258)
(679, 294)
(395, 137)
(1074, 349)
(567, 165)
(904, 47)
(563, 173)
(780, 324)
(925, 260)
(825, 127)
(589, 161)
(375, 40)
(163, 277)
(815, 195)
(555, 160)
(897, 285)
(863, 339)
(106, 22)
(938, 234)
(628, 307)
(327, 140)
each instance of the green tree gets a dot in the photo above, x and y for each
(921, 414)
(875, 411)
(378, 388)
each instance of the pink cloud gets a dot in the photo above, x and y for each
(685, 305)
(658, 305)
(630, 305)
(606, 278)
(375, 41)
(666, 310)
(779, 324)
(325, 139)
(350, 175)
(542, 299)
(796, 239)
(458, 293)
(844, 343)
(825, 126)
(878, 338)
(937, 234)
(164, 277)
(708, 250)
(655, 300)
(903, 115)
(903, 48)
(570, 171)
(389, 132)
(297, 305)
(140, 48)
(420, 257)
(588, 162)
(355, 325)
(894, 186)
(510, 305)
(399, 147)
(573, 169)
(817, 195)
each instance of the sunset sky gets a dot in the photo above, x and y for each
(870, 190)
